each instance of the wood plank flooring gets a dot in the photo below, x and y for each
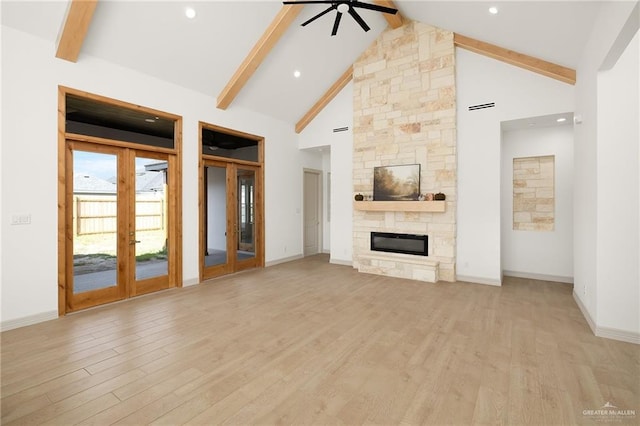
(312, 343)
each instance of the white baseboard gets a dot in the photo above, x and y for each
(283, 260)
(191, 281)
(341, 262)
(478, 280)
(585, 312)
(617, 334)
(606, 332)
(541, 277)
(28, 320)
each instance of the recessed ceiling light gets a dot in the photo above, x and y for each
(561, 120)
(190, 12)
(493, 10)
(296, 74)
(150, 120)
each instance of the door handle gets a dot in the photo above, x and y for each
(133, 242)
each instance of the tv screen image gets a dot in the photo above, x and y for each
(396, 183)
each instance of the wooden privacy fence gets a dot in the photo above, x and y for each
(98, 215)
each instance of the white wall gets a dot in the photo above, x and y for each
(604, 38)
(518, 94)
(319, 133)
(216, 208)
(541, 255)
(30, 78)
(618, 153)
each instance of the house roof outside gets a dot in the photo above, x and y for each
(86, 184)
(146, 182)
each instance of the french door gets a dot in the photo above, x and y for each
(119, 224)
(231, 233)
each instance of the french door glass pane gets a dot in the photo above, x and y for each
(151, 219)
(216, 226)
(246, 208)
(95, 221)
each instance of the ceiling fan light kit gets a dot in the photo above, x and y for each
(341, 7)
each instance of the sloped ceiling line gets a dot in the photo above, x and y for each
(548, 69)
(335, 88)
(258, 53)
(80, 13)
(75, 29)
(558, 72)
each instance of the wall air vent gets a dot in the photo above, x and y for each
(340, 129)
(482, 106)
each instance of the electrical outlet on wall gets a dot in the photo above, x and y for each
(21, 219)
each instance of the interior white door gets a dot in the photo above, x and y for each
(311, 213)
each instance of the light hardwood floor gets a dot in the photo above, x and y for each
(312, 343)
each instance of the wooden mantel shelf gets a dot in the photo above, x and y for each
(401, 206)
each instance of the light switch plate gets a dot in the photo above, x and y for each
(21, 219)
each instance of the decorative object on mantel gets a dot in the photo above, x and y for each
(359, 197)
(428, 196)
(439, 196)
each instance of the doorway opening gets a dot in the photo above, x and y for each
(312, 211)
(232, 212)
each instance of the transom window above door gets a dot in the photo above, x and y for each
(86, 116)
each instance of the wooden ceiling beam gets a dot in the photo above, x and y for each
(276, 29)
(549, 69)
(335, 88)
(394, 21)
(75, 28)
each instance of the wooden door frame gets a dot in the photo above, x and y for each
(65, 236)
(258, 217)
(231, 200)
(319, 189)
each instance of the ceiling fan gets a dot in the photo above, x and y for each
(344, 6)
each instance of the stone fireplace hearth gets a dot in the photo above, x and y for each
(405, 113)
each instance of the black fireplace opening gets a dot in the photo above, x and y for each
(400, 243)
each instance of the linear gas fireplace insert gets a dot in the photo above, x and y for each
(400, 243)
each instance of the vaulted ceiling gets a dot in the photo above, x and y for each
(204, 53)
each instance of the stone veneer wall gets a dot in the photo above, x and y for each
(534, 193)
(405, 113)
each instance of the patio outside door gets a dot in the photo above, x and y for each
(119, 223)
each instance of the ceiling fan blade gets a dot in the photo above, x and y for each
(375, 7)
(324, 12)
(336, 23)
(309, 2)
(358, 19)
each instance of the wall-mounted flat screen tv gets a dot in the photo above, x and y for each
(396, 183)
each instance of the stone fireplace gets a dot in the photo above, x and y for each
(405, 113)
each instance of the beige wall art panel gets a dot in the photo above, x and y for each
(534, 193)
